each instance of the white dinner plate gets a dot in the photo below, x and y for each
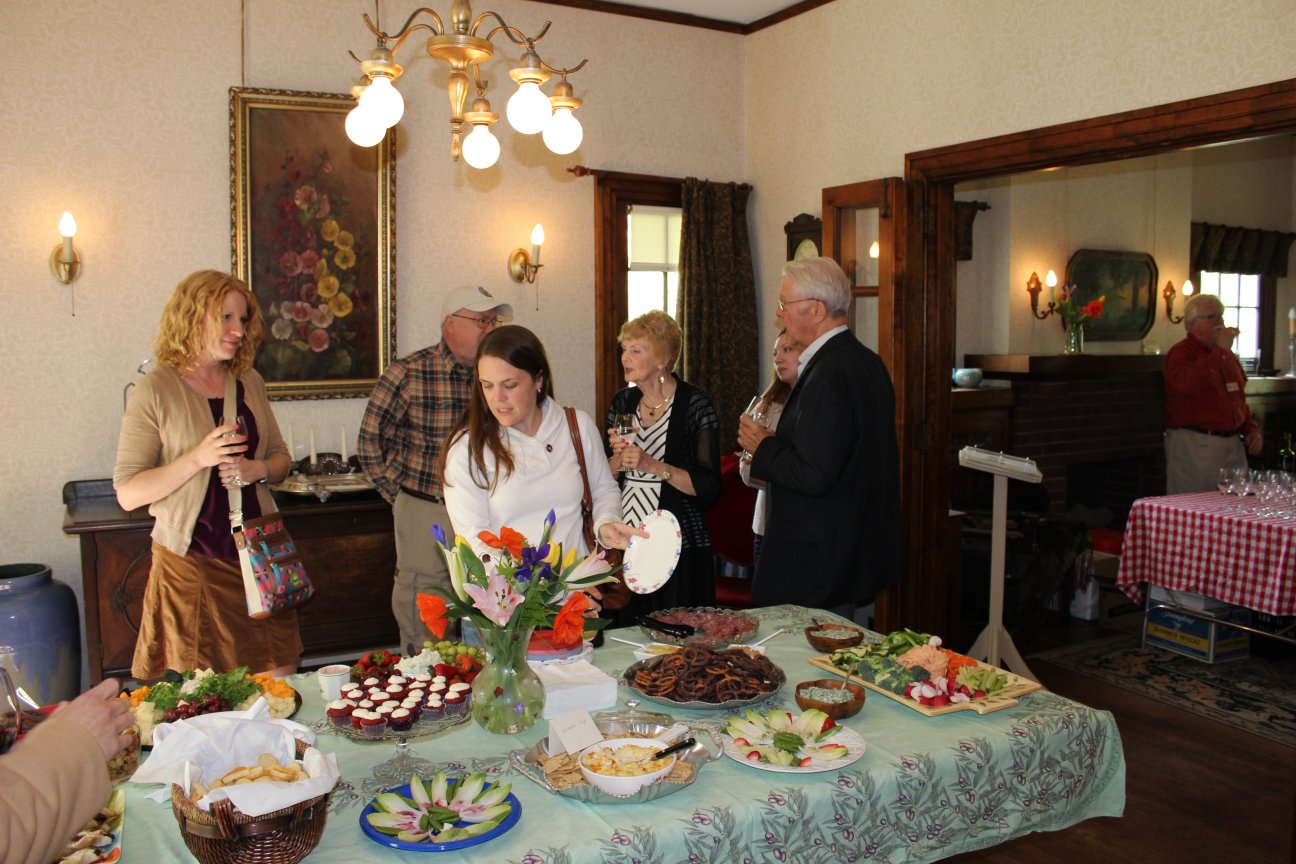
(854, 751)
(650, 561)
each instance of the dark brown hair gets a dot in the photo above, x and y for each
(518, 347)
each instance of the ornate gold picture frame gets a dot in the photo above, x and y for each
(313, 234)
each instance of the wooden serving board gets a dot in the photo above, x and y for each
(1007, 698)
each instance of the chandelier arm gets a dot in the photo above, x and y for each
(514, 34)
(405, 30)
(477, 81)
(406, 33)
(563, 72)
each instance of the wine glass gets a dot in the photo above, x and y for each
(11, 711)
(755, 410)
(626, 426)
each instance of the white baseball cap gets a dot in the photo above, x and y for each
(474, 299)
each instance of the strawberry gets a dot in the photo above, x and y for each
(381, 657)
(742, 742)
(445, 669)
(754, 756)
(469, 677)
(827, 724)
(464, 662)
(805, 762)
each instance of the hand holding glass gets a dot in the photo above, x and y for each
(625, 426)
(755, 412)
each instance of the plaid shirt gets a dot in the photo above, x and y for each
(410, 411)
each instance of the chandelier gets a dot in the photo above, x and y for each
(380, 105)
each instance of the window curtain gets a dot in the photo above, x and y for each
(1226, 249)
(718, 300)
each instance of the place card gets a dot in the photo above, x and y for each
(572, 732)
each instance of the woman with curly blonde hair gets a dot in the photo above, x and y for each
(177, 456)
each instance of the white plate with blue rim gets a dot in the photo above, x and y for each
(650, 561)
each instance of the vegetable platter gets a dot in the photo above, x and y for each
(914, 670)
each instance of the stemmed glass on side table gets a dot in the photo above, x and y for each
(626, 426)
(755, 412)
(11, 710)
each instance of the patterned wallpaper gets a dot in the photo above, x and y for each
(119, 112)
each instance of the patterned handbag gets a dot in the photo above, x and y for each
(274, 577)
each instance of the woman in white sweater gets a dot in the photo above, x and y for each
(510, 459)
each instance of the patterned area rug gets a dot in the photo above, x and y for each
(1257, 694)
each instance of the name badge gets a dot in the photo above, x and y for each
(1231, 386)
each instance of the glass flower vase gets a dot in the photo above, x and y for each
(507, 695)
(1074, 343)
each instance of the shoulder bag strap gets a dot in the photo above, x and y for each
(587, 499)
(230, 411)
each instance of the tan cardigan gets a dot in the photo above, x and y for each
(164, 420)
(51, 783)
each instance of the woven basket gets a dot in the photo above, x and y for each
(226, 836)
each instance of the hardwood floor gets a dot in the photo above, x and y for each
(1196, 790)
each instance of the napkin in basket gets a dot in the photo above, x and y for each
(210, 745)
(569, 686)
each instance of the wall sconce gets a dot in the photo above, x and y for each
(1033, 288)
(63, 260)
(522, 266)
(1168, 292)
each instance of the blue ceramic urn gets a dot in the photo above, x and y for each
(39, 620)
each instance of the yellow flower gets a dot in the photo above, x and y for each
(344, 258)
(329, 230)
(345, 240)
(327, 287)
(321, 269)
(341, 305)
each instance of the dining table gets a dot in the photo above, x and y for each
(1228, 547)
(925, 787)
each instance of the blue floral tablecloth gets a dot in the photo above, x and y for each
(926, 787)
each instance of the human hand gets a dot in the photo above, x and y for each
(616, 535)
(222, 444)
(633, 457)
(751, 434)
(102, 714)
(239, 472)
(1254, 443)
(1224, 337)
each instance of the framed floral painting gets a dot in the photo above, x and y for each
(313, 235)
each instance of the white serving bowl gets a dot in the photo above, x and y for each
(624, 787)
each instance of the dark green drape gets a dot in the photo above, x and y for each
(717, 299)
(1226, 249)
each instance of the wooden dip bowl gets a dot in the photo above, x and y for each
(835, 710)
(828, 645)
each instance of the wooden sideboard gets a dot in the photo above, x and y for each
(347, 543)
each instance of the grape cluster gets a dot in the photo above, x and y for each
(209, 704)
(450, 651)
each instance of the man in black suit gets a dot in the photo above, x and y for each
(832, 538)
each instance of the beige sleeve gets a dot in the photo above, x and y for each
(51, 784)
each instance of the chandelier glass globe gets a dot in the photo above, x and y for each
(384, 100)
(481, 149)
(362, 129)
(563, 133)
(529, 109)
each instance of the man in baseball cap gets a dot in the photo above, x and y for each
(411, 409)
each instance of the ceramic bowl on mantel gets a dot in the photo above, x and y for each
(967, 377)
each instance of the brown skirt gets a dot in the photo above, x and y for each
(195, 617)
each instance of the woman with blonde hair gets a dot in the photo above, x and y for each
(177, 456)
(787, 354)
(672, 463)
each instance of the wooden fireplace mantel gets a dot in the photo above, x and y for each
(1012, 366)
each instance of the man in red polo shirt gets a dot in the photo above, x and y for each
(1206, 416)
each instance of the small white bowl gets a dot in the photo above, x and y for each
(624, 787)
(656, 649)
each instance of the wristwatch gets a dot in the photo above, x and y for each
(666, 474)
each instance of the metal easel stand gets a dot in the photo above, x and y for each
(995, 645)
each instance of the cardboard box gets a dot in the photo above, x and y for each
(1197, 638)
(1187, 599)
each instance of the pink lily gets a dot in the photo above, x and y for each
(497, 600)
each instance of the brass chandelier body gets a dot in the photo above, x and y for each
(460, 46)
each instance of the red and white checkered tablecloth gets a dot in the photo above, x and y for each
(1203, 542)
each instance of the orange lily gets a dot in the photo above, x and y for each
(432, 611)
(569, 623)
(508, 539)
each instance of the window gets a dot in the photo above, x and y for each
(653, 241)
(1242, 295)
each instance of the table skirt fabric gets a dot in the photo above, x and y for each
(1206, 542)
(926, 787)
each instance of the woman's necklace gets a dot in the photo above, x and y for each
(653, 409)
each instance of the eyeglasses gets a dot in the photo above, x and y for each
(482, 323)
(1218, 316)
(783, 304)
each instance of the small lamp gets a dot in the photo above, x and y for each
(522, 266)
(1033, 289)
(1168, 292)
(63, 260)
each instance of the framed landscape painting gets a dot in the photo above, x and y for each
(313, 236)
(1128, 281)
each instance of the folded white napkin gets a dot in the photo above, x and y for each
(575, 685)
(204, 748)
